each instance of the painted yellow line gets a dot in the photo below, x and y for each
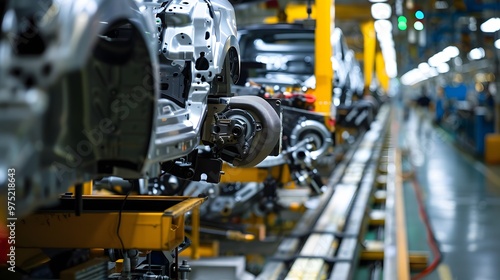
(444, 272)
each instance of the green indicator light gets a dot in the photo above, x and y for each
(402, 19)
(419, 14)
(418, 26)
(402, 25)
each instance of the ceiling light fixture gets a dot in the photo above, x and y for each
(443, 68)
(476, 54)
(497, 44)
(381, 11)
(443, 56)
(424, 68)
(491, 25)
(412, 77)
(451, 51)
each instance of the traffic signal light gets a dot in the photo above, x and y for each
(419, 14)
(402, 23)
(419, 24)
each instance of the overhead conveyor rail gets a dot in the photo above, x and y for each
(329, 240)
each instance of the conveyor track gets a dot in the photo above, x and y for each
(328, 240)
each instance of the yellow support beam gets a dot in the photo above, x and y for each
(359, 56)
(142, 223)
(323, 70)
(323, 14)
(370, 45)
(380, 70)
(353, 12)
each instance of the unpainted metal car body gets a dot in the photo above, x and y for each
(288, 52)
(94, 88)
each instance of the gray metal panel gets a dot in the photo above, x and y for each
(271, 271)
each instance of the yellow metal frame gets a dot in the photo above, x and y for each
(207, 249)
(255, 174)
(88, 188)
(139, 230)
(374, 251)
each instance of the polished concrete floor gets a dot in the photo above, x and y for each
(462, 198)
